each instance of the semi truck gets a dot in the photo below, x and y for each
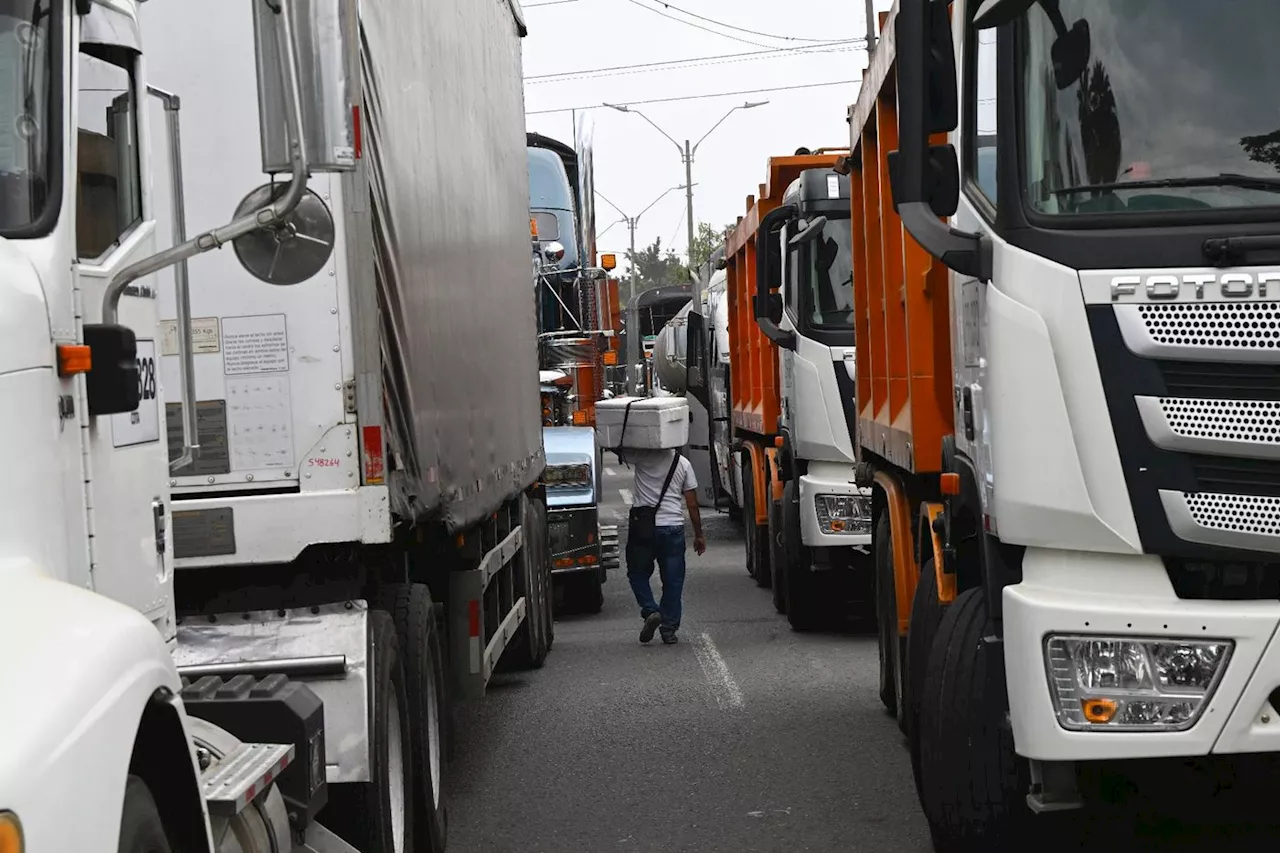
(578, 315)
(1065, 398)
(268, 515)
(774, 364)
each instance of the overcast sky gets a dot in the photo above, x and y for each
(634, 163)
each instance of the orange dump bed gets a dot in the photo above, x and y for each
(901, 294)
(755, 392)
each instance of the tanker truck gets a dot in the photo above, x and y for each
(264, 516)
(1067, 374)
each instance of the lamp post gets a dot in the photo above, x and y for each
(632, 222)
(687, 153)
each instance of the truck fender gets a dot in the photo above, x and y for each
(92, 677)
(755, 455)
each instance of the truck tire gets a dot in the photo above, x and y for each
(413, 612)
(973, 782)
(379, 814)
(751, 532)
(804, 590)
(926, 616)
(886, 613)
(528, 650)
(777, 558)
(141, 830)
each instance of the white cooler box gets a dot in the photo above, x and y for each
(655, 423)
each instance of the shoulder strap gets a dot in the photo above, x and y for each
(626, 416)
(674, 463)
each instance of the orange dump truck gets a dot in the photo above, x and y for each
(790, 384)
(1066, 386)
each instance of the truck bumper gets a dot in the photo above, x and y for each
(1131, 596)
(831, 479)
(574, 534)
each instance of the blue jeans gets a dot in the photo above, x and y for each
(667, 549)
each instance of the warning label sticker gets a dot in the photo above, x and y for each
(254, 345)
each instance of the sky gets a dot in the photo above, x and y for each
(634, 163)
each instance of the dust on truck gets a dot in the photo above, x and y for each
(1066, 388)
(787, 261)
(267, 514)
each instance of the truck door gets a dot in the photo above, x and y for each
(127, 492)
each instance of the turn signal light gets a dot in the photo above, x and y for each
(949, 483)
(563, 562)
(73, 359)
(1099, 711)
(10, 833)
(589, 560)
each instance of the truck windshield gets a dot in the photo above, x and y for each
(831, 277)
(1172, 112)
(25, 112)
(548, 181)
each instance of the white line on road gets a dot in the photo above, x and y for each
(723, 688)
(610, 471)
(626, 496)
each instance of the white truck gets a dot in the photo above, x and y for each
(264, 516)
(1067, 390)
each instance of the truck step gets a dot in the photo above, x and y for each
(234, 782)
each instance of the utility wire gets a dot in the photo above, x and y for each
(679, 223)
(700, 97)
(731, 26)
(699, 61)
(697, 26)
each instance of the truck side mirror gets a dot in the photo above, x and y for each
(695, 352)
(768, 304)
(921, 175)
(112, 384)
(811, 232)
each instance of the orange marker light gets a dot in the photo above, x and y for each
(1099, 711)
(579, 418)
(589, 560)
(611, 357)
(73, 359)
(949, 484)
(564, 563)
(10, 833)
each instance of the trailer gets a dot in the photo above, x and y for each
(1065, 388)
(269, 512)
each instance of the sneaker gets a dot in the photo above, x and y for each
(669, 638)
(651, 623)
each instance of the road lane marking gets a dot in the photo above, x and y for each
(610, 471)
(626, 496)
(723, 688)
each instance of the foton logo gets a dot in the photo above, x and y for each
(1205, 286)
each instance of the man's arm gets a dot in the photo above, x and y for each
(691, 501)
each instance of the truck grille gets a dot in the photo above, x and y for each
(1218, 325)
(1224, 420)
(1221, 380)
(1236, 513)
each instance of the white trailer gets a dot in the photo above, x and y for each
(241, 621)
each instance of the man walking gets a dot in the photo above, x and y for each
(663, 480)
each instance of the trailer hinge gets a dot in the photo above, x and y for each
(349, 395)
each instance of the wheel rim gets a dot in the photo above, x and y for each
(395, 779)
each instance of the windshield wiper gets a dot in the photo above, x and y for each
(1226, 179)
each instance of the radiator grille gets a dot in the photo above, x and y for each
(1236, 513)
(1219, 325)
(1224, 420)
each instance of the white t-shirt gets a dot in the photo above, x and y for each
(651, 471)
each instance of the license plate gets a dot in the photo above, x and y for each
(558, 530)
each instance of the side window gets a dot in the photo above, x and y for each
(108, 188)
(982, 110)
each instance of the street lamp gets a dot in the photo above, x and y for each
(687, 153)
(632, 222)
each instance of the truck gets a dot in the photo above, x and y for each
(1065, 398)
(578, 315)
(774, 370)
(269, 513)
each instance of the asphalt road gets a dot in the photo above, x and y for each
(744, 737)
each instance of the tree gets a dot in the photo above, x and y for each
(705, 241)
(655, 267)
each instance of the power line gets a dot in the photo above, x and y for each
(548, 3)
(679, 222)
(842, 46)
(731, 26)
(696, 26)
(699, 97)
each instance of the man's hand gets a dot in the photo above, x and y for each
(699, 544)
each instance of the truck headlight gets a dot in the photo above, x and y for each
(843, 514)
(567, 475)
(1124, 683)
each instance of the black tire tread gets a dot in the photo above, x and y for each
(886, 618)
(969, 770)
(926, 618)
(141, 827)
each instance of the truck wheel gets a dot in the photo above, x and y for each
(379, 814)
(926, 616)
(529, 648)
(804, 590)
(886, 614)
(751, 533)
(973, 782)
(777, 558)
(141, 830)
(413, 612)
